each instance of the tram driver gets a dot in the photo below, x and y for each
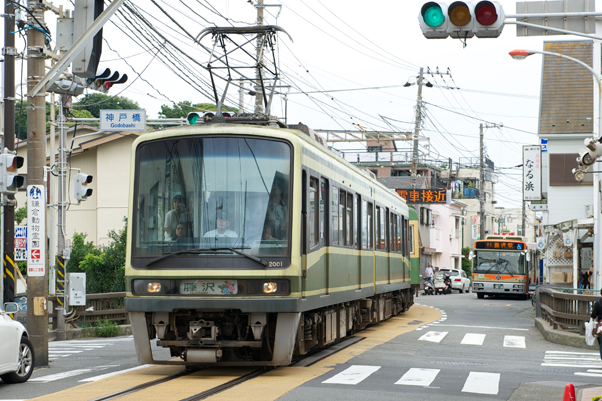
(222, 223)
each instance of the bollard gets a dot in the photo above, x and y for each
(569, 393)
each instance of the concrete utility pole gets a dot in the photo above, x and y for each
(8, 215)
(37, 287)
(417, 130)
(482, 178)
(260, 43)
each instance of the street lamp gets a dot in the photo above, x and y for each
(579, 173)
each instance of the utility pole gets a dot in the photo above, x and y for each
(482, 175)
(260, 43)
(8, 210)
(60, 240)
(417, 130)
(37, 286)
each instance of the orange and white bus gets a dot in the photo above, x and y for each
(501, 266)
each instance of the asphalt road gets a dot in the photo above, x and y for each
(483, 349)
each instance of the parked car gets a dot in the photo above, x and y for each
(16, 351)
(460, 281)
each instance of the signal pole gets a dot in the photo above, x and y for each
(37, 287)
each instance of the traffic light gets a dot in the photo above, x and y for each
(195, 117)
(104, 81)
(461, 19)
(84, 14)
(10, 181)
(82, 191)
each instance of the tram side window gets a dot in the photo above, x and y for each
(313, 212)
(367, 225)
(411, 239)
(349, 221)
(394, 233)
(356, 201)
(342, 223)
(377, 244)
(383, 229)
(321, 221)
(334, 210)
(404, 236)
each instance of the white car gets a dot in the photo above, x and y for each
(460, 281)
(16, 352)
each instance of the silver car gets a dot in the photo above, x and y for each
(459, 280)
(16, 352)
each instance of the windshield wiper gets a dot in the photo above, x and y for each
(201, 250)
(504, 262)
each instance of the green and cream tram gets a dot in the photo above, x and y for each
(248, 245)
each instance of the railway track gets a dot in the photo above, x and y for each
(305, 361)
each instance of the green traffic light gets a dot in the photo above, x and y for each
(192, 118)
(433, 16)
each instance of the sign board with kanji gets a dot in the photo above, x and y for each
(476, 231)
(532, 173)
(20, 243)
(123, 120)
(36, 226)
(433, 196)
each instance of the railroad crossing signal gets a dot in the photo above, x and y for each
(461, 19)
(82, 191)
(10, 181)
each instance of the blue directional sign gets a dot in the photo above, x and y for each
(123, 120)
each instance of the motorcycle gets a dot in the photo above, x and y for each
(448, 284)
(429, 289)
(440, 285)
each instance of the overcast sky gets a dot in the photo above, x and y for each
(341, 48)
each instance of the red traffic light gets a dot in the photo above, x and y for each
(486, 13)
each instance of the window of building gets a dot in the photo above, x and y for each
(561, 170)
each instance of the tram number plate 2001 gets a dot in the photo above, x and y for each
(209, 287)
(498, 286)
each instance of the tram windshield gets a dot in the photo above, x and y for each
(212, 194)
(491, 262)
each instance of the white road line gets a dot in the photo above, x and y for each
(572, 353)
(594, 371)
(483, 327)
(352, 375)
(571, 365)
(588, 374)
(71, 373)
(63, 351)
(473, 339)
(418, 377)
(482, 383)
(514, 342)
(96, 378)
(434, 336)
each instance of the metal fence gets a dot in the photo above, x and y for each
(566, 308)
(109, 306)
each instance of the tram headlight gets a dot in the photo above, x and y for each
(270, 287)
(153, 287)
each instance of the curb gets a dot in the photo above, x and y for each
(73, 334)
(562, 337)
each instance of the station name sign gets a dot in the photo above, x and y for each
(515, 246)
(436, 196)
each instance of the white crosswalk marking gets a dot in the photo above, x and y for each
(433, 336)
(482, 383)
(71, 373)
(62, 349)
(572, 359)
(352, 375)
(473, 339)
(514, 342)
(418, 377)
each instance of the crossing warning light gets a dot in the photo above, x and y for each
(81, 188)
(461, 19)
(10, 180)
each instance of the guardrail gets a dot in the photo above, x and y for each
(109, 306)
(568, 308)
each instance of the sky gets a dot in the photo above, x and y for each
(345, 67)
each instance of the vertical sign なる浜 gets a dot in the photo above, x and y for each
(532, 173)
(36, 227)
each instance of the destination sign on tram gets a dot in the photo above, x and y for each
(516, 246)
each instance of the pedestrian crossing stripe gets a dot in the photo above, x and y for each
(474, 339)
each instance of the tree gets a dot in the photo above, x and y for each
(466, 264)
(94, 102)
(21, 118)
(80, 113)
(20, 214)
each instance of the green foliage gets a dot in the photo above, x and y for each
(106, 328)
(104, 266)
(466, 264)
(80, 113)
(94, 102)
(20, 214)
